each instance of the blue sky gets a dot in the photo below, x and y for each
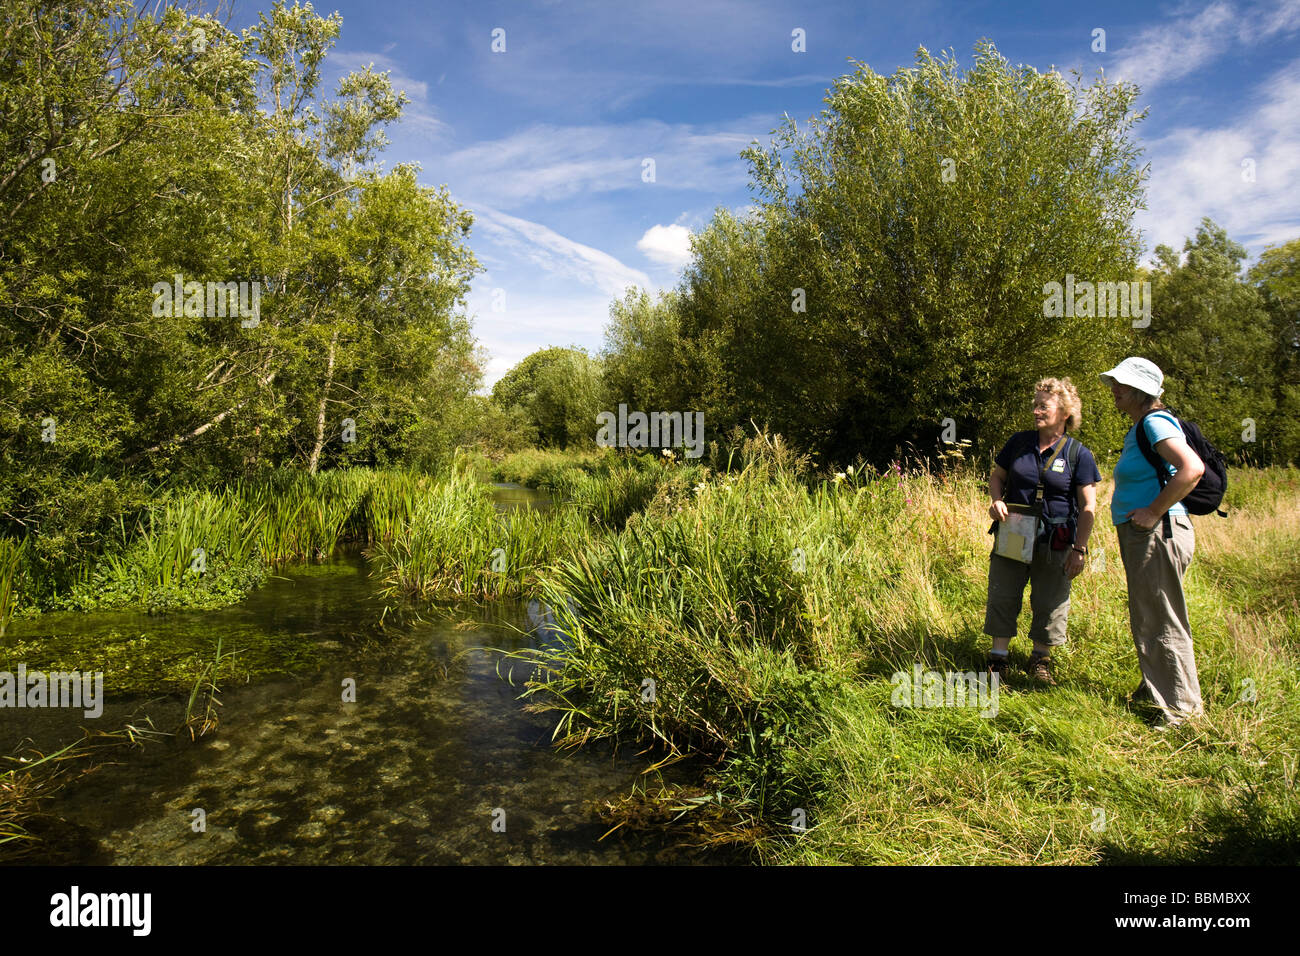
(544, 142)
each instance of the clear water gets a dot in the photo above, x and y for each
(436, 761)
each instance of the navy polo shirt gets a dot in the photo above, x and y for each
(1021, 460)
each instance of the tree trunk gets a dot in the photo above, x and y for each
(320, 413)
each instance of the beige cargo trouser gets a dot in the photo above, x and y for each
(1157, 610)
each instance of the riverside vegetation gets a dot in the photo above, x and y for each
(782, 676)
(769, 606)
(746, 609)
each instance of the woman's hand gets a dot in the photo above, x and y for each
(1144, 519)
(1073, 564)
(997, 483)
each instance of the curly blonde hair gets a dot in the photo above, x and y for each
(1063, 390)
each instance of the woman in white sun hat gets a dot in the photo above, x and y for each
(1155, 560)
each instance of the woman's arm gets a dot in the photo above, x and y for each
(1087, 497)
(1190, 468)
(997, 486)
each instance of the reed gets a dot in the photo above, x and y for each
(554, 471)
(12, 555)
(240, 531)
(305, 517)
(198, 723)
(455, 544)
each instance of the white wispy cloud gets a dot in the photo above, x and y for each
(1177, 48)
(1198, 171)
(554, 253)
(667, 245)
(549, 162)
(651, 45)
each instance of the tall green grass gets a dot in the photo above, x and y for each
(303, 516)
(202, 548)
(558, 472)
(11, 567)
(610, 488)
(771, 613)
(457, 545)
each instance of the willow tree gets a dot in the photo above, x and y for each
(893, 272)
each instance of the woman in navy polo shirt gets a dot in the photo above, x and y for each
(1045, 451)
(1155, 559)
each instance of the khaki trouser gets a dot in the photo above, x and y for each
(1154, 566)
(1049, 595)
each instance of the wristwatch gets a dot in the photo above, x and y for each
(1079, 549)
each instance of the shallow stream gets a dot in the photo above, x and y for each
(436, 761)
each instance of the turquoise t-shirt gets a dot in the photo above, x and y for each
(1136, 485)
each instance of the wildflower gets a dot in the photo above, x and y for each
(850, 471)
(839, 476)
(668, 453)
(699, 488)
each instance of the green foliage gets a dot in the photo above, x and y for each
(780, 672)
(143, 144)
(1210, 335)
(557, 472)
(1277, 275)
(488, 429)
(609, 488)
(11, 562)
(644, 365)
(457, 545)
(558, 393)
(152, 559)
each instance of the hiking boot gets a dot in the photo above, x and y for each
(1039, 669)
(1000, 666)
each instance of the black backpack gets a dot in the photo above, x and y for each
(1207, 495)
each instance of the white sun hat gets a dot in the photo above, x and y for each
(1137, 373)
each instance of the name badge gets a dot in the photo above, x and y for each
(1058, 465)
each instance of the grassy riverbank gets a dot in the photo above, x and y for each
(752, 618)
(781, 677)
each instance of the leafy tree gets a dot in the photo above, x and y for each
(1210, 335)
(143, 145)
(917, 223)
(557, 391)
(1277, 275)
(643, 363)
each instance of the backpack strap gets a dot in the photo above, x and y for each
(1042, 469)
(1154, 459)
(1072, 450)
